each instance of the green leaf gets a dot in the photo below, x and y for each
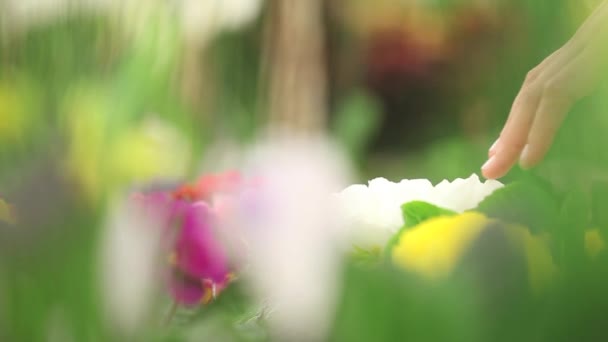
(525, 202)
(369, 257)
(385, 304)
(569, 235)
(357, 120)
(599, 193)
(416, 212)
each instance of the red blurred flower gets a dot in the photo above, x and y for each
(209, 185)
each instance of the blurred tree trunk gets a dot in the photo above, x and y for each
(294, 64)
(196, 81)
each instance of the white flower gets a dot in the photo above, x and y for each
(373, 212)
(294, 257)
(203, 19)
(463, 194)
(199, 19)
(129, 259)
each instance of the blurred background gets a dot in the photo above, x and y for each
(98, 96)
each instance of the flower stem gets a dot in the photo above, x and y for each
(171, 313)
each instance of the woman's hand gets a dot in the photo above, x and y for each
(547, 95)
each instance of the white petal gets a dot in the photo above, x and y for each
(129, 264)
(373, 213)
(295, 259)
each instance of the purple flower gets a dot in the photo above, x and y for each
(197, 252)
(199, 263)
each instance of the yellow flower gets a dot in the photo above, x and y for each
(147, 151)
(6, 213)
(594, 243)
(435, 247)
(18, 105)
(86, 123)
(103, 156)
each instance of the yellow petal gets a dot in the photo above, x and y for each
(6, 213)
(434, 247)
(539, 260)
(594, 243)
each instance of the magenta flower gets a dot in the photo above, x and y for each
(198, 263)
(200, 266)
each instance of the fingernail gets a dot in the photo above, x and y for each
(492, 149)
(524, 159)
(488, 163)
(494, 145)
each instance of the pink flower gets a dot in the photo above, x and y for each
(199, 266)
(198, 263)
(197, 222)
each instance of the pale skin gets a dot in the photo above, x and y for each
(547, 95)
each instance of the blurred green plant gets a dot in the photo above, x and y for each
(98, 100)
(356, 121)
(383, 304)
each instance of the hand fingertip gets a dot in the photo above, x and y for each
(492, 150)
(487, 169)
(493, 147)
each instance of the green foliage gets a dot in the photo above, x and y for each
(416, 212)
(357, 120)
(366, 257)
(448, 158)
(578, 305)
(526, 202)
(384, 304)
(49, 283)
(569, 233)
(233, 67)
(232, 316)
(599, 198)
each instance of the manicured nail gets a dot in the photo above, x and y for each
(488, 163)
(492, 149)
(494, 144)
(524, 159)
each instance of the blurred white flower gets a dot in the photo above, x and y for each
(294, 260)
(129, 263)
(373, 213)
(203, 19)
(199, 19)
(26, 13)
